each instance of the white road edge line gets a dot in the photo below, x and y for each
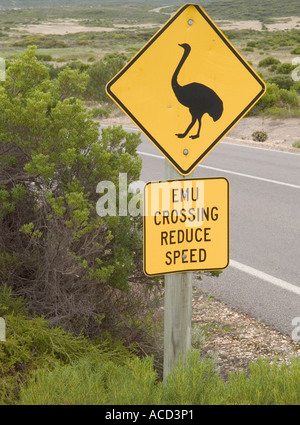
(295, 186)
(266, 277)
(258, 147)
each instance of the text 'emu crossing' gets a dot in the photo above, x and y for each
(186, 225)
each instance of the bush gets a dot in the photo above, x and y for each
(259, 136)
(296, 51)
(44, 57)
(100, 74)
(93, 383)
(285, 68)
(70, 264)
(267, 384)
(32, 344)
(296, 87)
(282, 81)
(276, 97)
(289, 97)
(100, 112)
(192, 382)
(270, 60)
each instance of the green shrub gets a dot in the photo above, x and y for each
(270, 60)
(259, 136)
(193, 382)
(44, 57)
(251, 43)
(289, 97)
(267, 384)
(276, 97)
(31, 344)
(42, 41)
(282, 81)
(100, 112)
(48, 199)
(94, 383)
(100, 74)
(296, 87)
(296, 51)
(285, 68)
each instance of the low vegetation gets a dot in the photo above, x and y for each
(43, 365)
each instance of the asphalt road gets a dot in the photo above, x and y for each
(263, 277)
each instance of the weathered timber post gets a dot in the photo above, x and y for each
(178, 306)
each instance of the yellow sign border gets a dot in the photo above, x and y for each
(110, 93)
(144, 227)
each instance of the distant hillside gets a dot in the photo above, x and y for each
(218, 9)
(11, 4)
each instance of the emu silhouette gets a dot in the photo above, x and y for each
(199, 98)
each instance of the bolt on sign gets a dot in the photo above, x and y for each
(186, 88)
(186, 225)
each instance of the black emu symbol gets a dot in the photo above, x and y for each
(199, 98)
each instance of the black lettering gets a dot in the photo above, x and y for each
(176, 255)
(174, 213)
(206, 235)
(192, 255)
(172, 237)
(205, 214)
(168, 255)
(198, 234)
(180, 236)
(184, 256)
(166, 217)
(164, 236)
(155, 216)
(194, 198)
(215, 216)
(189, 239)
(182, 213)
(192, 213)
(202, 257)
(173, 195)
(184, 194)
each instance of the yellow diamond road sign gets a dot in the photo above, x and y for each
(186, 225)
(186, 88)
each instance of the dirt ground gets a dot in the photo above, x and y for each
(73, 26)
(236, 338)
(279, 24)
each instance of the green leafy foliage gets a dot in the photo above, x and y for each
(270, 60)
(101, 72)
(276, 97)
(54, 248)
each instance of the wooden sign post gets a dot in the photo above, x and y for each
(178, 306)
